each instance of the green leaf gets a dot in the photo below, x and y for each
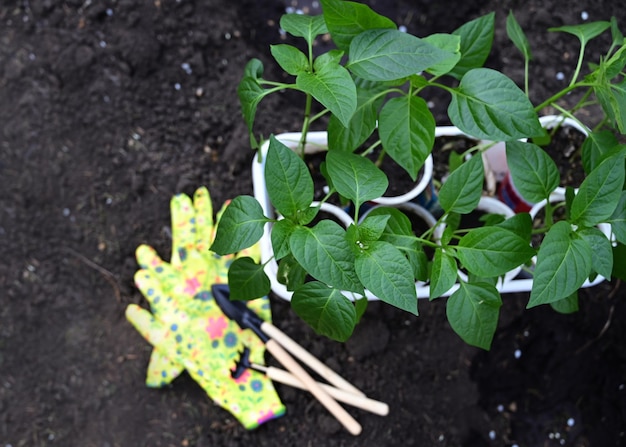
(619, 262)
(251, 93)
(325, 253)
(599, 193)
(493, 251)
(289, 183)
(615, 64)
(290, 59)
(449, 43)
(325, 309)
(521, 224)
(290, 273)
(488, 105)
(355, 177)
(533, 171)
(331, 85)
(407, 131)
(596, 147)
(384, 270)
(616, 33)
(399, 233)
(372, 227)
(473, 312)
(618, 219)
(361, 306)
(387, 55)
(443, 274)
(567, 305)
(240, 227)
(247, 280)
(563, 265)
(462, 190)
(585, 32)
(612, 98)
(281, 231)
(601, 251)
(476, 40)
(346, 20)
(361, 126)
(517, 36)
(304, 25)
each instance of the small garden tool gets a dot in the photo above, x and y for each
(278, 343)
(187, 328)
(286, 378)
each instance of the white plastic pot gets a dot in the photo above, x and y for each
(317, 141)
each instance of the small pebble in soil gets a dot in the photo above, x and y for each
(500, 408)
(186, 67)
(402, 28)
(177, 86)
(492, 435)
(571, 422)
(441, 438)
(517, 353)
(109, 12)
(584, 15)
(66, 212)
(102, 44)
(560, 76)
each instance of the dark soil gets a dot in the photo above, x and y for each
(108, 108)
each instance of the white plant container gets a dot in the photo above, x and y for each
(317, 142)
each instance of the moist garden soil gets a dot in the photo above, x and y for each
(108, 108)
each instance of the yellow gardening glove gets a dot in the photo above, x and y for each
(186, 326)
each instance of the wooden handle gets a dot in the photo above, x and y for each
(331, 405)
(365, 403)
(309, 359)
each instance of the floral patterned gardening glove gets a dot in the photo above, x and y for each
(187, 328)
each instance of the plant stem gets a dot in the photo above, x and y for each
(371, 148)
(560, 94)
(526, 65)
(305, 124)
(579, 65)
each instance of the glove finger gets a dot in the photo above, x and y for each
(163, 305)
(145, 323)
(204, 219)
(161, 370)
(183, 227)
(168, 277)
